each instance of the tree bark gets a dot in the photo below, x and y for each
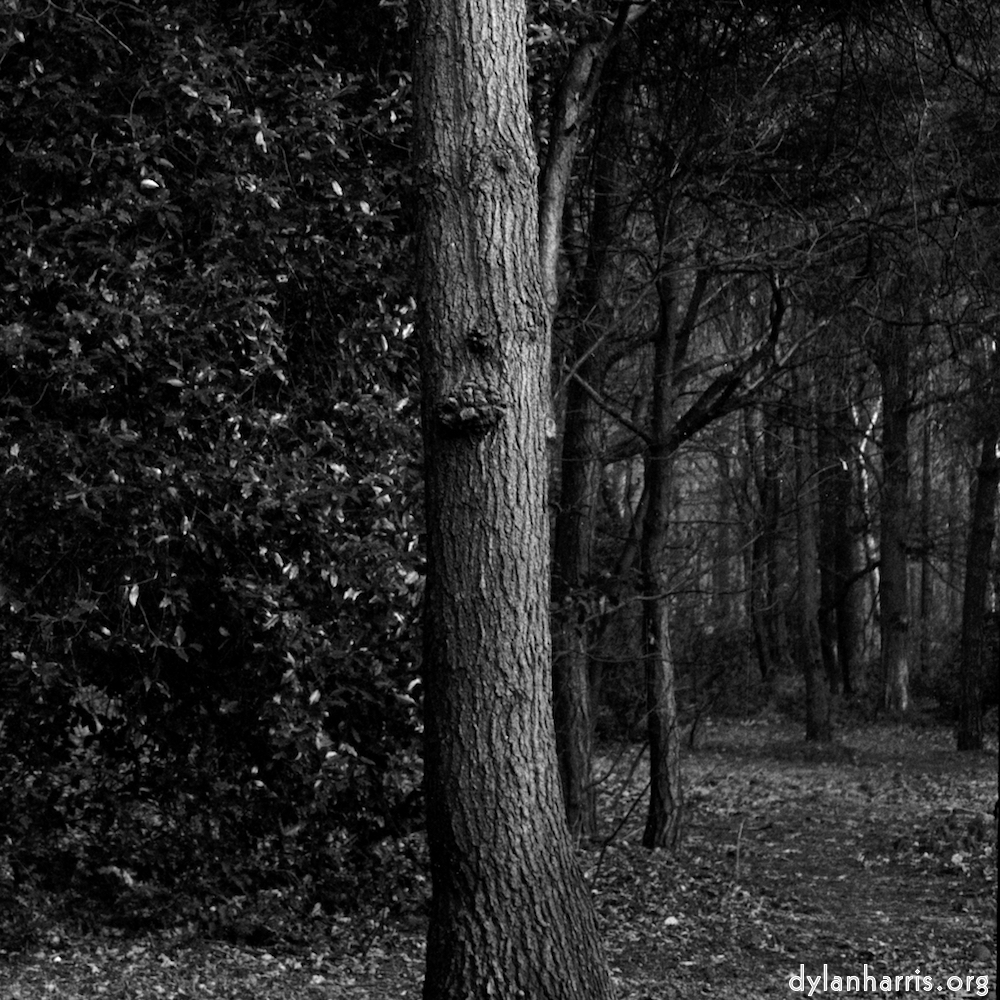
(850, 553)
(977, 572)
(982, 530)
(808, 651)
(723, 565)
(510, 914)
(926, 543)
(831, 531)
(576, 676)
(574, 532)
(760, 598)
(666, 800)
(768, 596)
(847, 560)
(571, 106)
(840, 617)
(893, 361)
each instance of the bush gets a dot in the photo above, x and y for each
(210, 543)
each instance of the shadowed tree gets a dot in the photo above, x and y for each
(510, 914)
(986, 383)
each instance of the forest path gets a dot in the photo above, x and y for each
(877, 852)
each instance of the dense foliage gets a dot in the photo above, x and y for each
(209, 569)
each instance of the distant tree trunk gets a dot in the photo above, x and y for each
(926, 564)
(848, 561)
(977, 571)
(832, 521)
(808, 652)
(957, 537)
(665, 814)
(977, 563)
(722, 562)
(574, 530)
(510, 914)
(758, 605)
(840, 618)
(767, 612)
(893, 361)
(576, 675)
(757, 572)
(863, 527)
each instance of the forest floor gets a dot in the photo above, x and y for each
(875, 855)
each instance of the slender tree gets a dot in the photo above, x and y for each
(892, 356)
(837, 445)
(808, 645)
(576, 677)
(977, 561)
(510, 915)
(666, 795)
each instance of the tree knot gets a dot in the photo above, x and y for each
(471, 408)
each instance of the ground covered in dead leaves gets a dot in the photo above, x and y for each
(875, 856)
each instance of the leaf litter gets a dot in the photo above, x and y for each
(875, 854)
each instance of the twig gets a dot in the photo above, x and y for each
(739, 841)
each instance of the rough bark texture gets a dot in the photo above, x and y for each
(893, 361)
(510, 914)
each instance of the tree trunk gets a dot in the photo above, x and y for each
(830, 520)
(808, 652)
(863, 529)
(893, 361)
(757, 599)
(926, 564)
(665, 813)
(977, 572)
(977, 562)
(849, 555)
(723, 588)
(840, 617)
(767, 597)
(574, 530)
(574, 687)
(510, 914)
